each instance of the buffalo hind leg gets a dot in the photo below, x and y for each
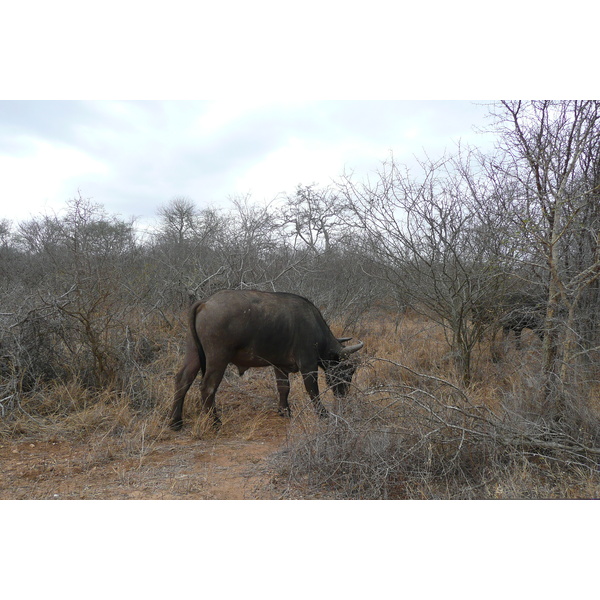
(283, 387)
(183, 381)
(311, 383)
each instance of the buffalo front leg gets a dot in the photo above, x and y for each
(283, 387)
(183, 381)
(311, 383)
(518, 339)
(210, 384)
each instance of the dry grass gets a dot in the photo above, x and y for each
(409, 431)
(405, 431)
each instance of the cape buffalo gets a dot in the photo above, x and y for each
(523, 314)
(249, 328)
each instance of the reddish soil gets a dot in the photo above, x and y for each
(175, 465)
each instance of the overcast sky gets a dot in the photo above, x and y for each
(133, 157)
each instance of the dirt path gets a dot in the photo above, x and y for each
(174, 466)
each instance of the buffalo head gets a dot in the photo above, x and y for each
(339, 371)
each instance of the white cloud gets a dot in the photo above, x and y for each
(305, 161)
(42, 175)
(133, 157)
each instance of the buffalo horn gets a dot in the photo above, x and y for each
(350, 349)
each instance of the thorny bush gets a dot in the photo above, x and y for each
(430, 440)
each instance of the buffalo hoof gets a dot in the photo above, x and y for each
(284, 412)
(176, 425)
(216, 422)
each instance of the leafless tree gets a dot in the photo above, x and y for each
(185, 253)
(178, 220)
(440, 238)
(69, 316)
(314, 217)
(552, 151)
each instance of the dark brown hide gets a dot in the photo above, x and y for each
(523, 312)
(250, 328)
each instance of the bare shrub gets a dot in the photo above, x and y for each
(432, 440)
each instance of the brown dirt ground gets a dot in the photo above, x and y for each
(176, 467)
(231, 464)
